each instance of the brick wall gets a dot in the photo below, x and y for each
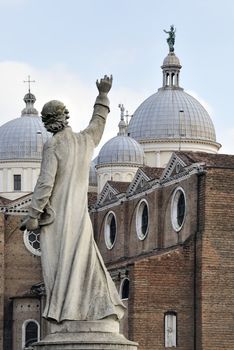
(22, 270)
(168, 235)
(217, 265)
(160, 284)
(1, 278)
(163, 281)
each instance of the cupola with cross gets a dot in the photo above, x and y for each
(21, 142)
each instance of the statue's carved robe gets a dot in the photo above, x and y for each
(78, 286)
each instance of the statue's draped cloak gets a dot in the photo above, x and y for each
(78, 286)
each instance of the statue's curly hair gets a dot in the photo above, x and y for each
(54, 116)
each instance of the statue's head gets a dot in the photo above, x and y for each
(54, 116)
(172, 28)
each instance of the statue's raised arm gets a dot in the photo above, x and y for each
(104, 85)
(101, 109)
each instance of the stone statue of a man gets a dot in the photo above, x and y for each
(78, 286)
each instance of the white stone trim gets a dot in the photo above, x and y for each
(139, 212)
(109, 244)
(30, 248)
(174, 208)
(170, 329)
(165, 148)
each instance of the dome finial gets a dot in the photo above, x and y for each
(29, 81)
(122, 124)
(29, 99)
(171, 38)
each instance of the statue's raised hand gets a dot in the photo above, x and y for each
(104, 85)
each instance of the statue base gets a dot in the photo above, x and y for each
(85, 335)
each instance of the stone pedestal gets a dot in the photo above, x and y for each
(82, 335)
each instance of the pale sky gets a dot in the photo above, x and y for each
(66, 45)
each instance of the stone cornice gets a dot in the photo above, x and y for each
(181, 140)
(123, 165)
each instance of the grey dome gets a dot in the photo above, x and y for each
(121, 149)
(93, 173)
(159, 117)
(22, 138)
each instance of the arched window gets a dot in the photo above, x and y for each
(142, 219)
(124, 289)
(170, 324)
(110, 230)
(30, 333)
(178, 209)
(172, 79)
(167, 79)
(117, 177)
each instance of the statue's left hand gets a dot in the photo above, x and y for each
(30, 224)
(104, 85)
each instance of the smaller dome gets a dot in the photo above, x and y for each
(22, 138)
(171, 60)
(121, 149)
(93, 173)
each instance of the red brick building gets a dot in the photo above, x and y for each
(167, 239)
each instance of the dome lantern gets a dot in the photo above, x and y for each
(122, 124)
(29, 110)
(171, 64)
(29, 99)
(171, 72)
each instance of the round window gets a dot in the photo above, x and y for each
(142, 220)
(110, 230)
(178, 209)
(32, 241)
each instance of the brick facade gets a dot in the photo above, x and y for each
(160, 284)
(217, 262)
(22, 270)
(2, 277)
(189, 272)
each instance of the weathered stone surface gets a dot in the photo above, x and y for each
(85, 335)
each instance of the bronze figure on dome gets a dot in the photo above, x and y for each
(171, 38)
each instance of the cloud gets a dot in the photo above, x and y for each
(225, 137)
(204, 103)
(58, 82)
